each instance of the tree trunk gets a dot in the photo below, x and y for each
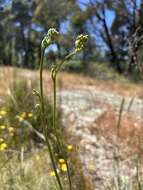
(114, 57)
(59, 51)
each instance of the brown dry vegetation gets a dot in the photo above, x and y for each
(78, 81)
(130, 130)
(129, 124)
(70, 81)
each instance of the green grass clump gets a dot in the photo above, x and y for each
(20, 111)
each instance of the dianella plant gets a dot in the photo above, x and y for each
(52, 135)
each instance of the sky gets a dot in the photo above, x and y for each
(109, 14)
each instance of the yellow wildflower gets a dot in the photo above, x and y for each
(23, 115)
(3, 146)
(52, 174)
(69, 147)
(30, 114)
(20, 119)
(91, 167)
(1, 139)
(61, 161)
(11, 129)
(3, 112)
(64, 167)
(2, 126)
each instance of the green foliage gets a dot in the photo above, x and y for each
(30, 173)
(135, 76)
(19, 163)
(102, 71)
(33, 172)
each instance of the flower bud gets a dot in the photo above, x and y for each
(51, 37)
(80, 42)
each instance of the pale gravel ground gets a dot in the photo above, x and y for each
(97, 155)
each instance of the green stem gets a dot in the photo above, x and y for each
(54, 75)
(54, 127)
(54, 111)
(68, 171)
(44, 120)
(62, 62)
(41, 81)
(54, 103)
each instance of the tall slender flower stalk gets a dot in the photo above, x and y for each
(79, 45)
(54, 77)
(45, 43)
(51, 37)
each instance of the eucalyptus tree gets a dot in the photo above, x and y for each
(113, 22)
